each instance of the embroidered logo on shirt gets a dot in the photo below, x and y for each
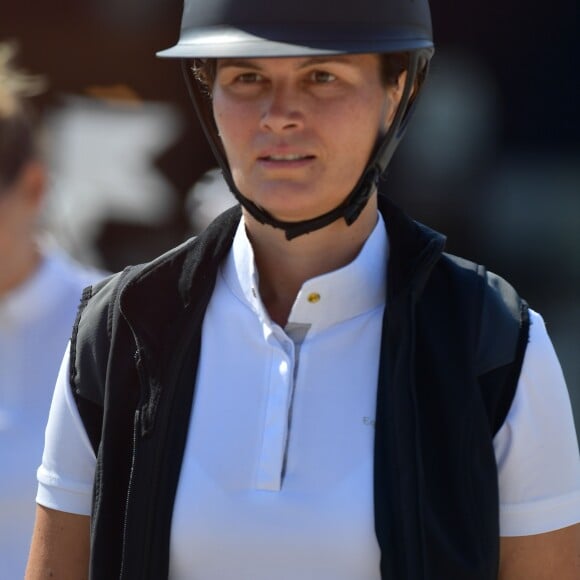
(368, 421)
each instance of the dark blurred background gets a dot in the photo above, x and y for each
(492, 158)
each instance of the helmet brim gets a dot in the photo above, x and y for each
(230, 42)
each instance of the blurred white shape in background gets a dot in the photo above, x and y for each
(101, 155)
(209, 197)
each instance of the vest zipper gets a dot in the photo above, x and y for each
(407, 565)
(129, 494)
(142, 426)
(136, 422)
(427, 262)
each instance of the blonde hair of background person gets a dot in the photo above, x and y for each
(22, 173)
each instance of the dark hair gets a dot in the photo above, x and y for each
(17, 126)
(392, 65)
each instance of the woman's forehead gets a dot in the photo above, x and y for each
(296, 62)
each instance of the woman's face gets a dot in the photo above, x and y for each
(298, 132)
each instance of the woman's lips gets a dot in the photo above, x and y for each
(285, 160)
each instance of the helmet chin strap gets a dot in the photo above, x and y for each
(354, 203)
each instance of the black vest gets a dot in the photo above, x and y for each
(453, 342)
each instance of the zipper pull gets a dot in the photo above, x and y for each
(150, 391)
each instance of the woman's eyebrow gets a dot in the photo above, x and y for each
(318, 60)
(237, 63)
(315, 60)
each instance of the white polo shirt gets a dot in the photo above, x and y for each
(277, 475)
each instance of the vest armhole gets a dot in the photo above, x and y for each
(503, 339)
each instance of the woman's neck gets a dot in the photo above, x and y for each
(284, 265)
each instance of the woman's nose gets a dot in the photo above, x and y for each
(282, 110)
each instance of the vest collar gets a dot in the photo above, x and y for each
(414, 249)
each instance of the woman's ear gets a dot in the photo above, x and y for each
(394, 95)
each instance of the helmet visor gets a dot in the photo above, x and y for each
(256, 42)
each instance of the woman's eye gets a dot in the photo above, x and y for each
(248, 78)
(320, 76)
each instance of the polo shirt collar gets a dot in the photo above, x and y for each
(323, 301)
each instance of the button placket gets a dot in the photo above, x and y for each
(275, 430)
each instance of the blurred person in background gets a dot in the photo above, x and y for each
(40, 288)
(312, 388)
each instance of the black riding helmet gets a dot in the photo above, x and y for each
(256, 29)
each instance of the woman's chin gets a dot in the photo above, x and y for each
(291, 215)
(294, 207)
